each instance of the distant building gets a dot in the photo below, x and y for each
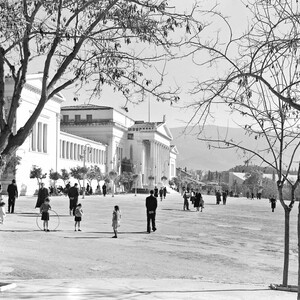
(146, 144)
(63, 135)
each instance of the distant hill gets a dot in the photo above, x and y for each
(195, 154)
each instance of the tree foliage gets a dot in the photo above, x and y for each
(65, 176)
(85, 44)
(37, 172)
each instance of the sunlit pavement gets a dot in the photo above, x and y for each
(139, 289)
(225, 252)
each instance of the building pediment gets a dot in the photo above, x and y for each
(165, 131)
(174, 150)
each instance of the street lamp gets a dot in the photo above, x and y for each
(84, 175)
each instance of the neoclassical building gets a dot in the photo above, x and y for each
(146, 144)
(68, 136)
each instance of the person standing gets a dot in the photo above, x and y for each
(151, 205)
(186, 196)
(197, 200)
(12, 191)
(78, 216)
(104, 189)
(2, 212)
(44, 209)
(42, 195)
(224, 196)
(116, 218)
(73, 198)
(218, 197)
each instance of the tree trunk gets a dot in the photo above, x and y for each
(286, 246)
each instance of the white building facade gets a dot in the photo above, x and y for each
(70, 136)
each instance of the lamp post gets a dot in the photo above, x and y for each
(84, 175)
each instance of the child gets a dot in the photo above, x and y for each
(116, 220)
(2, 212)
(78, 215)
(273, 202)
(201, 203)
(44, 209)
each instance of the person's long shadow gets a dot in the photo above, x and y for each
(103, 232)
(19, 230)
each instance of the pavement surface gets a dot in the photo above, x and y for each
(231, 251)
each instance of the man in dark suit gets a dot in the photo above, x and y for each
(73, 197)
(151, 205)
(12, 191)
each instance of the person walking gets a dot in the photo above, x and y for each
(224, 197)
(161, 193)
(73, 198)
(42, 195)
(186, 196)
(151, 205)
(273, 202)
(156, 192)
(12, 191)
(116, 218)
(78, 216)
(165, 192)
(104, 189)
(44, 209)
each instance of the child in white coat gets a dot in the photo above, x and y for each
(2, 212)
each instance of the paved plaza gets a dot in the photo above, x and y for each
(225, 252)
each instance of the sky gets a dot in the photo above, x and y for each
(180, 73)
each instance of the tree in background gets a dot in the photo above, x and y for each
(65, 176)
(85, 43)
(78, 173)
(54, 176)
(37, 172)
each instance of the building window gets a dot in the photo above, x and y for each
(130, 136)
(68, 150)
(45, 138)
(65, 118)
(71, 151)
(89, 118)
(33, 138)
(39, 136)
(77, 118)
(63, 149)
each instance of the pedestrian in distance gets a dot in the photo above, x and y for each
(165, 192)
(78, 216)
(44, 209)
(224, 197)
(156, 192)
(12, 191)
(151, 206)
(197, 200)
(104, 189)
(116, 218)
(273, 202)
(186, 196)
(218, 197)
(201, 203)
(73, 198)
(161, 193)
(192, 196)
(43, 193)
(2, 212)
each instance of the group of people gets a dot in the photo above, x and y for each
(195, 197)
(224, 195)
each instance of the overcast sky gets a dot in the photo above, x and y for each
(181, 73)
